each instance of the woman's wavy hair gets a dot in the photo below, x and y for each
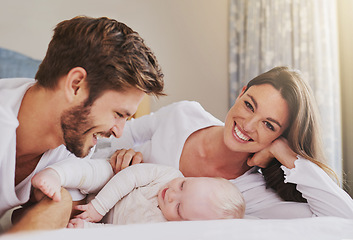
(303, 133)
(114, 56)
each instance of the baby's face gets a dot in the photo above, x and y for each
(188, 199)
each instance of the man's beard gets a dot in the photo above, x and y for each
(75, 123)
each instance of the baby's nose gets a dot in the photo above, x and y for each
(172, 196)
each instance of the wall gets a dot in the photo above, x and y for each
(189, 38)
(345, 19)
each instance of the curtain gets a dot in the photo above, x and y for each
(301, 34)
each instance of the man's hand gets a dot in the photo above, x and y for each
(124, 158)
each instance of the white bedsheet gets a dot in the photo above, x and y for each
(306, 228)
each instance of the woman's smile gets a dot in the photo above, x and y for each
(239, 134)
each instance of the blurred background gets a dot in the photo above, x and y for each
(209, 49)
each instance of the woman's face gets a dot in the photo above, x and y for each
(258, 117)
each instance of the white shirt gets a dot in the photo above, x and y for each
(160, 137)
(12, 91)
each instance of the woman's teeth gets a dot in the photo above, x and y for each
(240, 135)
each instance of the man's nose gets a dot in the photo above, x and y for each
(117, 129)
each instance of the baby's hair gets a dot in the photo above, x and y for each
(228, 200)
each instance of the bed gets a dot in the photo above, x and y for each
(14, 64)
(305, 228)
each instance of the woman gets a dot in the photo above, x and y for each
(273, 124)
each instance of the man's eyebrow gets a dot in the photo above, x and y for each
(269, 119)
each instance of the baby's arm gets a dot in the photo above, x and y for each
(48, 181)
(87, 175)
(123, 183)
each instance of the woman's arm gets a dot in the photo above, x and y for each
(324, 196)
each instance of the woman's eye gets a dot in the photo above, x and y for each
(269, 126)
(248, 105)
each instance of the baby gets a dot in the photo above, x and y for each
(141, 193)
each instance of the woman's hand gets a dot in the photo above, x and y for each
(261, 158)
(124, 158)
(278, 149)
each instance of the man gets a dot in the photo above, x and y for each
(94, 75)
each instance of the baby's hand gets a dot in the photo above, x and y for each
(76, 223)
(48, 181)
(89, 213)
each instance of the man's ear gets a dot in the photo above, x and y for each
(74, 83)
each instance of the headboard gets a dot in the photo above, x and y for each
(14, 64)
